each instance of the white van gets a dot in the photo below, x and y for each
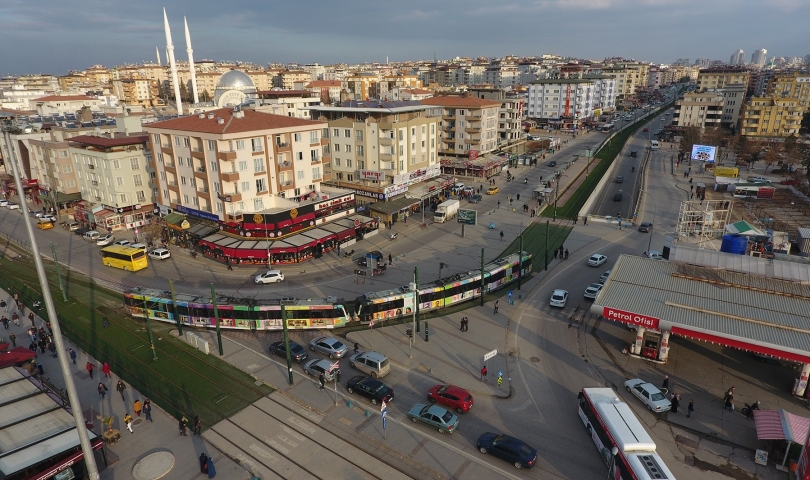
(91, 236)
(653, 144)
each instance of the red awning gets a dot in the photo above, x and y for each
(16, 356)
(104, 213)
(781, 425)
(346, 234)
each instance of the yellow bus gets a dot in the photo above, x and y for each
(127, 258)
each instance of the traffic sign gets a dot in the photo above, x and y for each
(491, 354)
(382, 407)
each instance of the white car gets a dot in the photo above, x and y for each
(3, 202)
(653, 255)
(593, 290)
(759, 180)
(597, 259)
(105, 240)
(604, 276)
(12, 206)
(123, 243)
(270, 276)
(649, 394)
(140, 246)
(558, 298)
(159, 254)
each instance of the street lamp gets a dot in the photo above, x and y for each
(588, 160)
(557, 193)
(655, 211)
(613, 452)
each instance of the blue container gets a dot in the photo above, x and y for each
(733, 243)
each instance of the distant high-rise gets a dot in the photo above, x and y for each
(737, 58)
(759, 57)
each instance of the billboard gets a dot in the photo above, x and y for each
(703, 153)
(470, 217)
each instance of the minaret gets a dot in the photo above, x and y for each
(191, 63)
(157, 52)
(172, 65)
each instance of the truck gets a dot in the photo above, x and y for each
(445, 211)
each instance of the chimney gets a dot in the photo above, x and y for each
(202, 115)
(220, 120)
(210, 116)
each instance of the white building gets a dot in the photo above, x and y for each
(289, 103)
(734, 97)
(759, 57)
(61, 104)
(590, 95)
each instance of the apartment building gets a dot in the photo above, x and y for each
(287, 79)
(469, 125)
(52, 165)
(714, 78)
(547, 98)
(770, 117)
(699, 109)
(406, 94)
(793, 85)
(389, 82)
(510, 114)
(361, 86)
(137, 91)
(625, 82)
(233, 162)
(290, 103)
(734, 98)
(502, 75)
(60, 104)
(375, 144)
(327, 90)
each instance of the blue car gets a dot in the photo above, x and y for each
(511, 449)
(434, 416)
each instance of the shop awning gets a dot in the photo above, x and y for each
(393, 206)
(781, 425)
(174, 218)
(60, 197)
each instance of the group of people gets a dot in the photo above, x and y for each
(42, 340)
(675, 399)
(561, 252)
(465, 323)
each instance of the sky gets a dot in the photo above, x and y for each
(54, 36)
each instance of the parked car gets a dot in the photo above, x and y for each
(454, 397)
(140, 246)
(332, 347)
(375, 254)
(597, 259)
(645, 227)
(371, 362)
(789, 181)
(270, 276)
(72, 226)
(3, 202)
(552, 163)
(475, 199)
(758, 180)
(81, 231)
(371, 388)
(123, 243)
(317, 366)
(297, 352)
(649, 394)
(617, 197)
(12, 206)
(159, 254)
(653, 255)
(558, 298)
(434, 416)
(593, 290)
(506, 447)
(105, 240)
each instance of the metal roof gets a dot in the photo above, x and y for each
(754, 308)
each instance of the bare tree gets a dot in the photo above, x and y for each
(771, 155)
(689, 136)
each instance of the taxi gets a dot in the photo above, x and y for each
(492, 190)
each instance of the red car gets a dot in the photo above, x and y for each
(789, 181)
(455, 397)
(645, 129)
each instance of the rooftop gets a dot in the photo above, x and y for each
(250, 121)
(107, 142)
(459, 101)
(63, 98)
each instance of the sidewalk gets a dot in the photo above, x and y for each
(147, 437)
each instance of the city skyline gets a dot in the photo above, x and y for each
(115, 34)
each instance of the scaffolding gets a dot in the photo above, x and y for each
(702, 221)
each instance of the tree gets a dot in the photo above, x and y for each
(689, 136)
(771, 155)
(205, 96)
(805, 126)
(791, 149)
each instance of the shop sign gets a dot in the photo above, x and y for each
(418, 175)
(129, 208)
(630, 317)
(333, 202)
(197, 213)
(372, 175)
(469, 217)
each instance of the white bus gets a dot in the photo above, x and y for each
(653, 144)
(611, 423)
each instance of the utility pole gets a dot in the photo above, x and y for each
(520, 260)
(174, 309)
(59, 273)
(216, 318)
(482, 277)
(286, 342)
(416, 295)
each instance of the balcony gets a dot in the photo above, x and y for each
(285, 165)
(172, 183)
(286, 185)
(283, 147)
(230, 176)
(387, 140)
(166, 149)
(226, 155)
(449, 116)
(473, 117)
(94, 183)
(197, 153)
(233, 197)
(473, 129)
(202, 190)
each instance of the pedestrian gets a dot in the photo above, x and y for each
(676, 402)
(16, 318)
(203, 463)
(52, 349)
(555, 253)
(501, 235)
(483, 373)
(461, 324)
(30, 317)
(690, 408)
(228, 261)
(4, 305)
(496, 306)
(42, 344)
(182, 424)
(4, 320)
(390, 259)
(566, 254)
(665, 383)
(120, 388)
(575, 219)
(338, 249)
(466, 324)
(128, 422)
(197, 425)
(499, 204)
(137, 407)
(356, 348)
(322, 380)
(102, 390)
(13, 339)
(33, 348)
(73, 355)
(106, 369)
(728, 402)
(147, 409)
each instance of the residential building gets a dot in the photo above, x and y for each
(137, 91)
(771, 117)
(17, 97)
(407, 94)
(233, 162)
(469, 125)
(376, 144)
(737, 58)
(699, 109)
(52, 165)
(60, 104)
(715, 78)
(502, 75)
(286, 80)
(389, 82)
(759, 57)
(510, 114)
(290, 103)
(793, 85)
(327, 90)
(734, 98)
(315, 71)
(361, 86)
(547, 98)
(629, 77)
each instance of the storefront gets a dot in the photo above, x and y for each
(392, 211)
(480, 168)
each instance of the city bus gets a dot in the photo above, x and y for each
(127, 258)
(653, 144)
(611, 423)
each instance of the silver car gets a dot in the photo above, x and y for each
(332, 347)
(649, 394)
(316, 367)
(593, 290)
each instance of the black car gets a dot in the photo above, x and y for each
(508, 448)
(371, 388)
(645, 227)
(297, 352)
(475, 199)
(552, 163)
(81, 231)
(376, 255)
(617, 197)
(633, 153)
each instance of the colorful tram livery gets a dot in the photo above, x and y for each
(442, 293)
(234, 313)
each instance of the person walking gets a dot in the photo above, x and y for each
(322, 380)
(13, 339)
(228, 262)
(106, 369)
(461, 324)
(72, 355)
(676, 402)
(15, 318)
(466, 324)
(147, 409)
(728, 402)
(197, 425)
(501, 235)
(555, 253)
(483, 373)
(137, 407)
(4, 305)
(30, 317)
(182, 425)
(120, 388)
(52, 349)
(356, 348)
(4, 320)
(499, 204)
(102, 390)
(690, 408)
(496, 306)
(128, 422)
(390, 259)
(566, 254)
(665, 383)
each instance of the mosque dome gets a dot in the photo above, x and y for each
(234, 87)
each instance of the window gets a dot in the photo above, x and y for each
(337, 162)
(300, 174)
(316, 172)
(119, 181)
(213, 166)
(401, 134)
(358, 135)
(300, 155)
(347, 133)
(359, 150)
(349, 162)
(337, 147)
(325, 133)
(138, 181)
(313, 155)
(177, 141)
(297, 137)
(240, 144)
(243, 165)
(258, 205)
(180, 161)
(402, 149)
(216, 187)
(185, 199)
(156, 138)
(245, 186)
(401, 165)
(141, 196)
(185, 142)
(67, 168)
(256, 143)
(349, 148)
(159, 157)
(413, 131)
(183, 181)
(212, 145)
(116, 166)
(335, 132)
(313, 137)
(258, 165)
(163, 176)
(361, 165)
(261, 185)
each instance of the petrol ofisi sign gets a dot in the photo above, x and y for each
(630, 318)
